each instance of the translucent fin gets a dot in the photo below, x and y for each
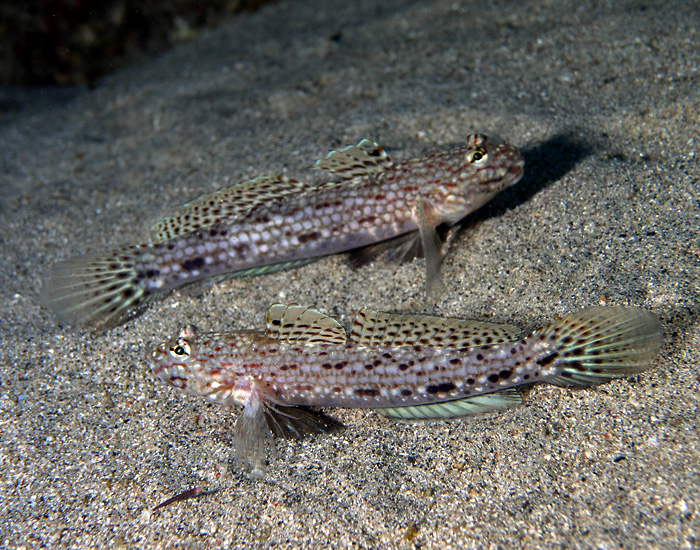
(297, 422)
(431, 250)
(98, 291)
(504, 399)
(258, 270)
(361, 160)
(376, 328)
(225, 204)
(597, 344)
(391, 251)
(252, 433)
(295, 323)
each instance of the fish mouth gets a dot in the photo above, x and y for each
(516, 172)
(516, 169)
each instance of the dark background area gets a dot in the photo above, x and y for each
(70, 42)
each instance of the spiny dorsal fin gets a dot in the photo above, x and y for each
(295, 323)
(228, 203)
(376, 328)
(364, 159)
(504, 399)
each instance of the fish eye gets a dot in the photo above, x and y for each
(180, 349)
(477, 156)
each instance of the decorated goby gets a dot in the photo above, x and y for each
(405, 366)
(274, 222)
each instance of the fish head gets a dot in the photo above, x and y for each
(477, 171)
(195, 363)
(175, 361)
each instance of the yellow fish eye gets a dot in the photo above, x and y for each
(478, 156)
(181, 349)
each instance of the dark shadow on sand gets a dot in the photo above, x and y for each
(545, 164)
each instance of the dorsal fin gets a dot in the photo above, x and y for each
(376, 328)
(361, 160)
(228, 203)
(295, 323)
(504, 399)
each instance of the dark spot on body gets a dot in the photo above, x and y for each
(479, 357)
(306, 237)
(544, 361)
(505, 374)
(440, 388)
(341, 365)
(327, 366)
(406, 393)
(470, 381)
(366, 392)
(493, 378)
(403, 366)
(455, 361)
(194, 263)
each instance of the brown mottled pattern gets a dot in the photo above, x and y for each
(337, 216)
(350, 375)
(257, 230)
(600, 343)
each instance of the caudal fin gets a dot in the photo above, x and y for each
(598, 344)
(98, 291)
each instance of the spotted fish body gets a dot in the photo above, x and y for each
(274, 222)
(405, 366)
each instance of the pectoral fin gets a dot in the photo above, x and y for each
(391, 251)
(431, 249)
(252, 433)
(297, 422)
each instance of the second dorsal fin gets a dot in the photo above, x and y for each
(376, 328)
(305, 325)
(361, 160)
(228, 203)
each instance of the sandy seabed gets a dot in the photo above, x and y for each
(604, 104)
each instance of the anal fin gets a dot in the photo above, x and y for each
(497, 401)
